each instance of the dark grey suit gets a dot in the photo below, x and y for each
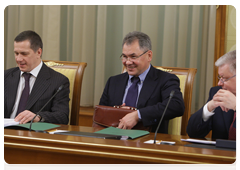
(47, 83)
(219, 123)
(153, 97)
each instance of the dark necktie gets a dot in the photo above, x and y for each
(232, 129)
(25, 94)
(132, 93)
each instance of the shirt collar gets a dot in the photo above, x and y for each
(36, 70)
(143, 75)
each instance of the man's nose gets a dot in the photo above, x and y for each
(220, 83)
(18, 57)
(129, 61)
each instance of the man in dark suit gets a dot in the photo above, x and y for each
(154, 87)
(218, 113)
(43, 84)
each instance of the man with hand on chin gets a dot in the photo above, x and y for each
(219, 113)
(143, 87)
(28, 87)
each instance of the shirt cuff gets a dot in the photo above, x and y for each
(139, 115)
(206, 114)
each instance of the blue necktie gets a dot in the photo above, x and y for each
(132, 93)
(25, 94)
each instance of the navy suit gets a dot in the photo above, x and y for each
(153, 97)
(47, 83)
(219, 123)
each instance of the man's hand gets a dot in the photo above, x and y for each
(223, 98)
(129, 120)
(123, 106)
(25, 117)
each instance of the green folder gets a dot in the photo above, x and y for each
(35, 126)
(132, 134)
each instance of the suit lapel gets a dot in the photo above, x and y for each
(120, 88)
(226, 118)
(148, 87)
(40, 86)
(12, 87)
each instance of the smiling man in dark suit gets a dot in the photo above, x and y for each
(153, 87)
(43, 84)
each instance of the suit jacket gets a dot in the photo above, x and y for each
(47, 83)
(152, 99)
(219, 123)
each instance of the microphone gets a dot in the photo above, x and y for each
(60, 88)
(171, 95)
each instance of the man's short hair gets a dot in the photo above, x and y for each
(228, 58)
(143, 40)
(34, 39)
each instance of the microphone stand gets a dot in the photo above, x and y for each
(171, 95)
(60, 88)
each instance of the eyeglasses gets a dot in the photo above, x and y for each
(224, 79)
(133, 58)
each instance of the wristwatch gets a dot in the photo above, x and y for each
(40, 118)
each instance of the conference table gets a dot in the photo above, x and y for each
(29, 147)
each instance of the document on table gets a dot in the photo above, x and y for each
(200, 141)
(127, 133)
(9, 122)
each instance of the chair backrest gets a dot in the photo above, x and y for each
(74, 71)
(178, 125)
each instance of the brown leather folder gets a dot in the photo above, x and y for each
(106, 116)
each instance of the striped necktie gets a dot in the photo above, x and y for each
(25, 94)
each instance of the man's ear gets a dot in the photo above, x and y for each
(39, 52)
(149, 53)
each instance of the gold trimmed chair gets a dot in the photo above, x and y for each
(74, 71)
(178, 125)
